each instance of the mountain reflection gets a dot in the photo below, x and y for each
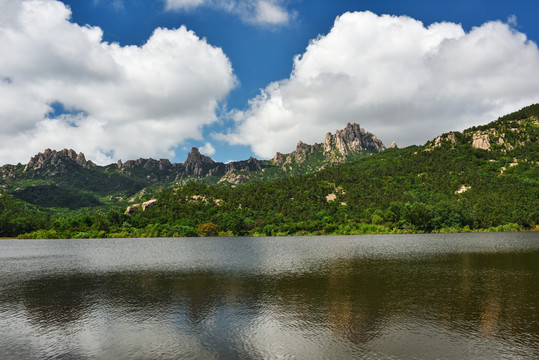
(353, 298)
(475, 305)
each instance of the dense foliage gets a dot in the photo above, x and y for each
(18, 217)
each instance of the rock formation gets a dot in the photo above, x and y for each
(481, 140)
(247, 165)
(56, 158)
(335, 148)
(352, 139)
(198, 164)
(301, 152)
(148, 164)
(462, 189)
(145, 205)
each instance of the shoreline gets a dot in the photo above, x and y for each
(148, 236)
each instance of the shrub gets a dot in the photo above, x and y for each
(208, 229)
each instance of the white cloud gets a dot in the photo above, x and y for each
(127, 101)
(397, 78)
(207, 149)
(268, 12)
(261, 12)
(183, 4)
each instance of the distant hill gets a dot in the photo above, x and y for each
(483, 178)
(65, 179)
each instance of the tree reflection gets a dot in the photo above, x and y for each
(355, 299)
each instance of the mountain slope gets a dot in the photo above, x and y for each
(452, 183)
(65, 179)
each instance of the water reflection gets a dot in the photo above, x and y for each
(442, 305)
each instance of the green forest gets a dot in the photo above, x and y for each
(446, 185)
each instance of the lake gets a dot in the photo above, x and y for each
(443, 296)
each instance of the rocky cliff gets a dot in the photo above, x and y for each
(57, 159)
(148, 164)
(199, 165)
(352, 139)
(71, 169)
(336, 148)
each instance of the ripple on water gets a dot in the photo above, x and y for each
(448, 296)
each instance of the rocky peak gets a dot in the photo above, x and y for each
(352, 139)
(197, 163)
(54, 158)
(195, 157)
(335, 148)
(278, 159)
(301, 151)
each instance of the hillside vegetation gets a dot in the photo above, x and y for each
(485, 178)
(66, 180)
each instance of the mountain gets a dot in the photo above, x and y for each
(65, 179)
(485, 178)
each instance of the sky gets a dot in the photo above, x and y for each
(125, 79)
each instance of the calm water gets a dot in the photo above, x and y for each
(463, 296)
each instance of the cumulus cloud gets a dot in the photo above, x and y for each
(395, 76)
(123, 101)
(264, 12)
(207, 149)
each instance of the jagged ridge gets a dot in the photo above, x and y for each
(336, 148)
(51, 171)
(57, 158)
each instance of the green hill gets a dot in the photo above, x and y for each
(484, 178)
(66, 180)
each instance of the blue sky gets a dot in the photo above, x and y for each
(257, 42)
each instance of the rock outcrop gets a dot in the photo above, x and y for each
(278, 159)
(145, 205)
(9, 171)
(463, 189)
(57, 158)
(352, 139)
(335, 148)
(198, 164)
(481, 140)
(148, 204)
(251, 164)
(301, 152)
(506, 134)
(148, 164)
(306, 158)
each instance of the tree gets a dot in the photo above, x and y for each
(208, 229)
